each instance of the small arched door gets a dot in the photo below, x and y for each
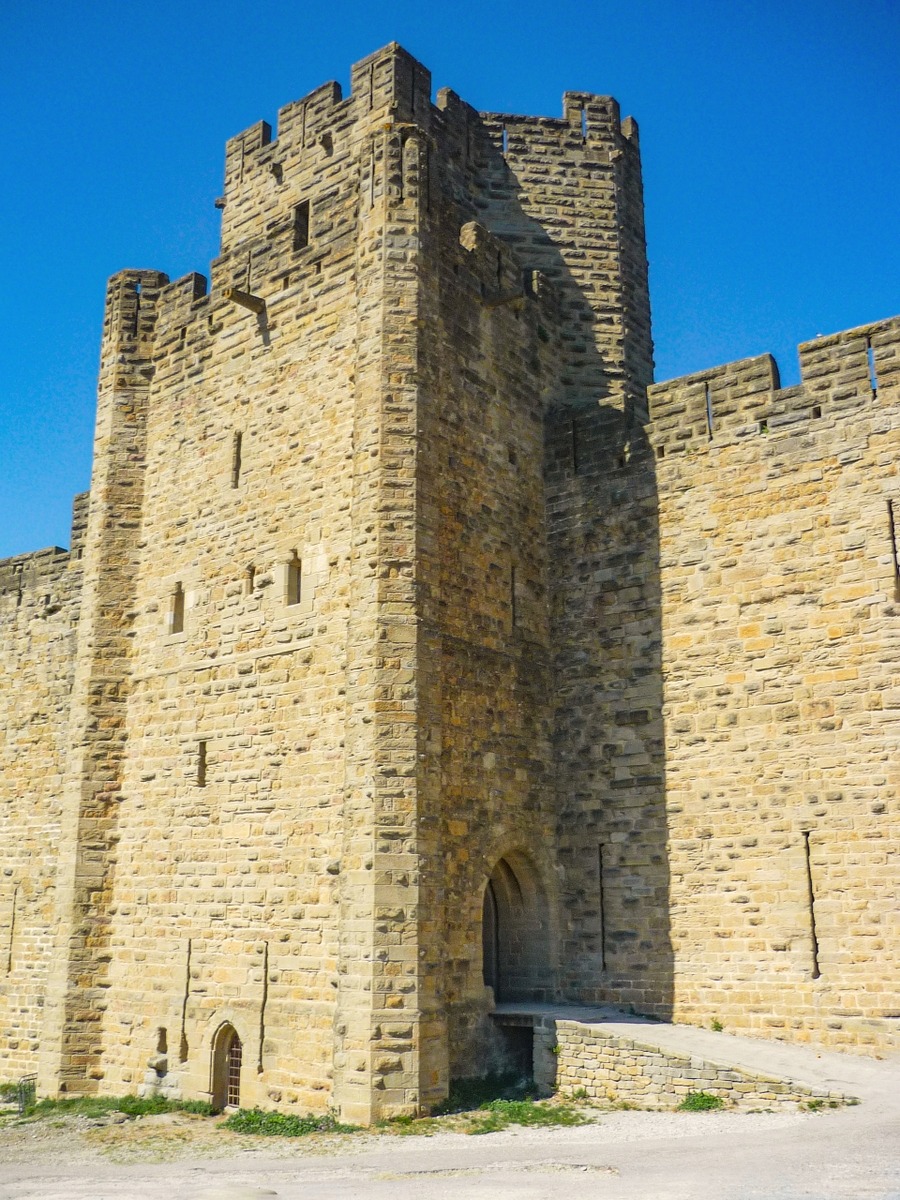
(226, 1068)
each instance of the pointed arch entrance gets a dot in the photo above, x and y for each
(515, 931)
(227, 1053)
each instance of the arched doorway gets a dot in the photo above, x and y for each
(226, 1068)
(516, 954)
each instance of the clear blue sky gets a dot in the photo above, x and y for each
(770, 133)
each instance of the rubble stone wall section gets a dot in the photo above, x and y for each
(577, 1060)
(39, 605)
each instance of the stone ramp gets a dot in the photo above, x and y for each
(611, 1055)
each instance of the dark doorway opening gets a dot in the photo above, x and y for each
(515, 933)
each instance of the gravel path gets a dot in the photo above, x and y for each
(844, 1154)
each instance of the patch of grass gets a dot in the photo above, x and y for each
(814, 1105)
(75, 1106)
(9, 1092)
(499, 1114)
(277, 1124)
(466, 1094)
(200, 1108)
(410, 1126)
(716, 1025)
(130, 1106)
(701, 1102)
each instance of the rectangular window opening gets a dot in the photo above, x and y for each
(811, 905)
(177, 613)
(201, 764)
(236, 448)
(301, 225)
(895, 561)
(816, 411)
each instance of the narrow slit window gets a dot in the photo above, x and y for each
(249, 580)
(575, 447)
(176, 620)
(895, 561)
(584, 124)
(709, 412)
(811, 905)
(504, 141)
(295, 580)
(301, 225)
(201, 764)
(870, 361)
(236, 449)
(601, 904)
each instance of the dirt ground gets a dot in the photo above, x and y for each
(843, 1154)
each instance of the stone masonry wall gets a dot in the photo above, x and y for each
(574, 1058)
(39, 602)
(757, 887)
(781, 643)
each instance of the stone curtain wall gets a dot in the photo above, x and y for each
(39, 603)
(780, 653)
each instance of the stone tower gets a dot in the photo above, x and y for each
(345, 719)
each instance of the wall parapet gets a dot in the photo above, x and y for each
(840, 373)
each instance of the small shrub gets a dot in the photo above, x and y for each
(143, 1106)
(580, 1094)
(277, 1124)
(498, 1114)
(815, 1105)
(701, 1102)
(200, 1108)
(9, 1093)
(716, 1025)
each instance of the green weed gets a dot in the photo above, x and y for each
(701, 1102)
(277, 1124)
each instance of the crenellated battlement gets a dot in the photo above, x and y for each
(840, 373)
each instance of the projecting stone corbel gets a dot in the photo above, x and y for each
(246, 300)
